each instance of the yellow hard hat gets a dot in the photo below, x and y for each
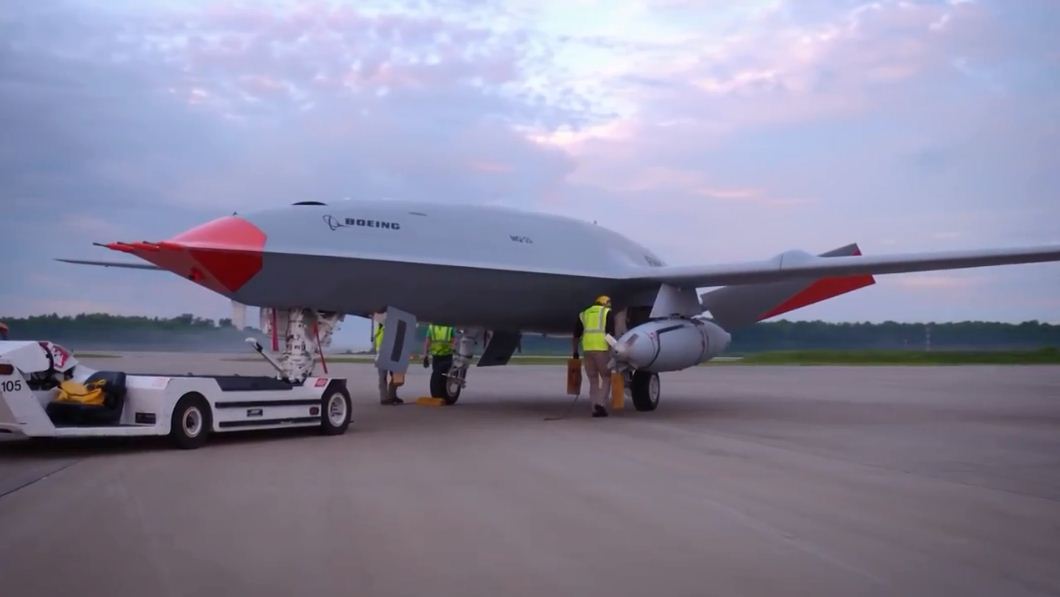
(603, 299)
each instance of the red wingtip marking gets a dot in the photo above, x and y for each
(822, 289)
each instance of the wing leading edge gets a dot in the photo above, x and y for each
(794, 265)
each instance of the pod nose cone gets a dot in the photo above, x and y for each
(222, 255)
(718, 337)
(637, 348)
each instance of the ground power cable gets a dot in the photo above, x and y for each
(566, 411)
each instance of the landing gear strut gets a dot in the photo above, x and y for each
(305, 332)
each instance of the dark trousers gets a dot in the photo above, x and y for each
(442, 364)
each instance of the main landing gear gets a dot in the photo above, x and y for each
(645, 389)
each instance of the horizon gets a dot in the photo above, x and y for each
(353, 333)
(779, 319)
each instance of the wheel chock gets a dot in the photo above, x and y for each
(430, 401)
(618, 391)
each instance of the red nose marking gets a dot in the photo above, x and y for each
(221, 255)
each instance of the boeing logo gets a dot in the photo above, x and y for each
(336, 223)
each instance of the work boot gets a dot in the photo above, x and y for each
(395, 401)
(599, 411)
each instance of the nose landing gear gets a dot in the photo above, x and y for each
(449, 384)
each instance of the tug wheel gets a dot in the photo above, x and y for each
(335, 413)
(191, 422)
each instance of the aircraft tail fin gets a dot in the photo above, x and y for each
(734, 307)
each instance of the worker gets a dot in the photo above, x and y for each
(387, 387)
(590, 334)
(438, 348)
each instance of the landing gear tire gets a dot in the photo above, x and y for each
(191, 422)
(645, 390)
(335, 413)
(444, 387)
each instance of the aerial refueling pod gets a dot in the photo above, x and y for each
(670, 344)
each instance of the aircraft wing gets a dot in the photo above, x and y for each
(125, 264)
(801, 265)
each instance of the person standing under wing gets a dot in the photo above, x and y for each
(387, 388)
(590, 333)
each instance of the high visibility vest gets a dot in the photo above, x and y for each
(440, 337)
(377, 340)
(594, 325)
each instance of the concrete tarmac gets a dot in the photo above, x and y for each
(746, 481)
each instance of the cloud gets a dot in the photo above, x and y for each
(89, 226)
(330, 100)
(937, 282)
(711, 131)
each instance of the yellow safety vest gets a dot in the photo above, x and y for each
(594, 324)
(377, 341)
(440, 337)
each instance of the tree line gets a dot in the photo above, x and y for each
(189, 331)
(101, 330)
(964, 335)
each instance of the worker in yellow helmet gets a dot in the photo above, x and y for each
(387, 387)
(590, 334)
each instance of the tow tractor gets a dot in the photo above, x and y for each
(187, 408)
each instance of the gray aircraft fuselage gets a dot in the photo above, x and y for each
(501, 269)
(464, 265)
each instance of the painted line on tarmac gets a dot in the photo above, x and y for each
(12, 484)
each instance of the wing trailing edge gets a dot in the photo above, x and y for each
(738, 306)
(796, 265)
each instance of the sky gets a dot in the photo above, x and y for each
(708, 130)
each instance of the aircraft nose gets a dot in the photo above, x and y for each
(222, 255)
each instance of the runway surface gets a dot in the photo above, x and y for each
(746, 481)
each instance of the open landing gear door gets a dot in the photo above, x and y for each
(500, 349)
(399, 337)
